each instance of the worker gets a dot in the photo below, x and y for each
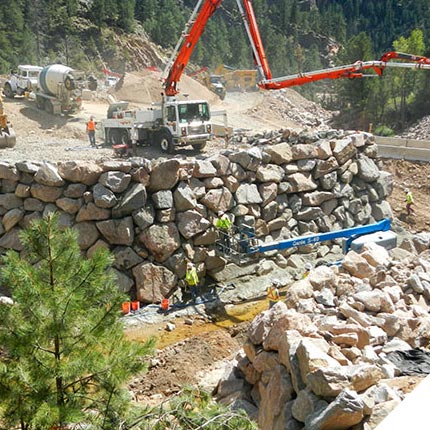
(409, 200)
(224, 224)
(192, 279)
(308, 268)
(91, 131)
(273, 293)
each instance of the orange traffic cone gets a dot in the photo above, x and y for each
(126, 308)
(165, 305)
(135, 306)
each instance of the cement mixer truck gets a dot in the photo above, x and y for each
(59, 89)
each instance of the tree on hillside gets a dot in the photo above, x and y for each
(64, 356)
(354, 95)
(405, 82)
(11, 34)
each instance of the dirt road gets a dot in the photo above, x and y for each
(41, 136)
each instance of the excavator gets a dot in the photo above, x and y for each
(7, 133)
(206, 8)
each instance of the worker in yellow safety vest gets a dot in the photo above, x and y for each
(223, 224)
(308, 268)
(273, 293)
(192, 279)
(409, 200)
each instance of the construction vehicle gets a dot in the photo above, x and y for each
(214, 82)
(7, 134)
(59, 89)
(22, 82)
(111, 78)
(170, 124)
(237, 79)
(244, 247)
(56, 88)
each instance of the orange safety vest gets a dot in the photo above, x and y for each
(273, 294)
(91, 125)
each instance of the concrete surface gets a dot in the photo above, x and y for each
(403, 149)
(412, 413)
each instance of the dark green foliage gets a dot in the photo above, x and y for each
(296, 36)
(64, 355)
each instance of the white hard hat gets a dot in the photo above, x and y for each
(308, 266)
(220, 213)
(406, 190)
(276, 282)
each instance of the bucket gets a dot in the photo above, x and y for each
(165, 304)
(126, 308)
(135, 306)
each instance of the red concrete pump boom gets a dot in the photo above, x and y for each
(206, 8)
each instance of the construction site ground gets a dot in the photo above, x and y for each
(196, 346)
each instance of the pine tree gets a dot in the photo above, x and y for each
(64, 355)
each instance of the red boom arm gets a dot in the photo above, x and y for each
(200, 17)
(188, 42)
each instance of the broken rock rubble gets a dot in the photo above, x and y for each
(324, 365)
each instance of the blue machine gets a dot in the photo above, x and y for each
(350, 233)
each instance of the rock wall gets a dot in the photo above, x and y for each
(154, 216)
(333, 354)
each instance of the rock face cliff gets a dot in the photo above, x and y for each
(156, 215)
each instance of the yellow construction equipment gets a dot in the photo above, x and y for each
(7, 133)
(236, 79)
(213, 82)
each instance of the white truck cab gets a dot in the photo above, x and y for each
(171, 124)
(22, 81)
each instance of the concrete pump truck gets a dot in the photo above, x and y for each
(179, 123)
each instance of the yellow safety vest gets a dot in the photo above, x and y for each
(223, 223)
(191, 277)
(409, 198)
(273, 294)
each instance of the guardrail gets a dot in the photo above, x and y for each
(404, 149)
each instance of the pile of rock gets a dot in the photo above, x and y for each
(419, 130)
(156, 215)
(319, 359)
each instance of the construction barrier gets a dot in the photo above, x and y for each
(403, 149)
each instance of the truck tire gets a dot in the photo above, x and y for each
(92, 83)
(49, 108)
(69, 83)
(40, 103)
(165, 142)
(117, 136)
(8, 91)
(199, 146)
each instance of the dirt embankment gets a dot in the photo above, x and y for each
(416, 177)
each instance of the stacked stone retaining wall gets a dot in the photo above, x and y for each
(155, 215)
